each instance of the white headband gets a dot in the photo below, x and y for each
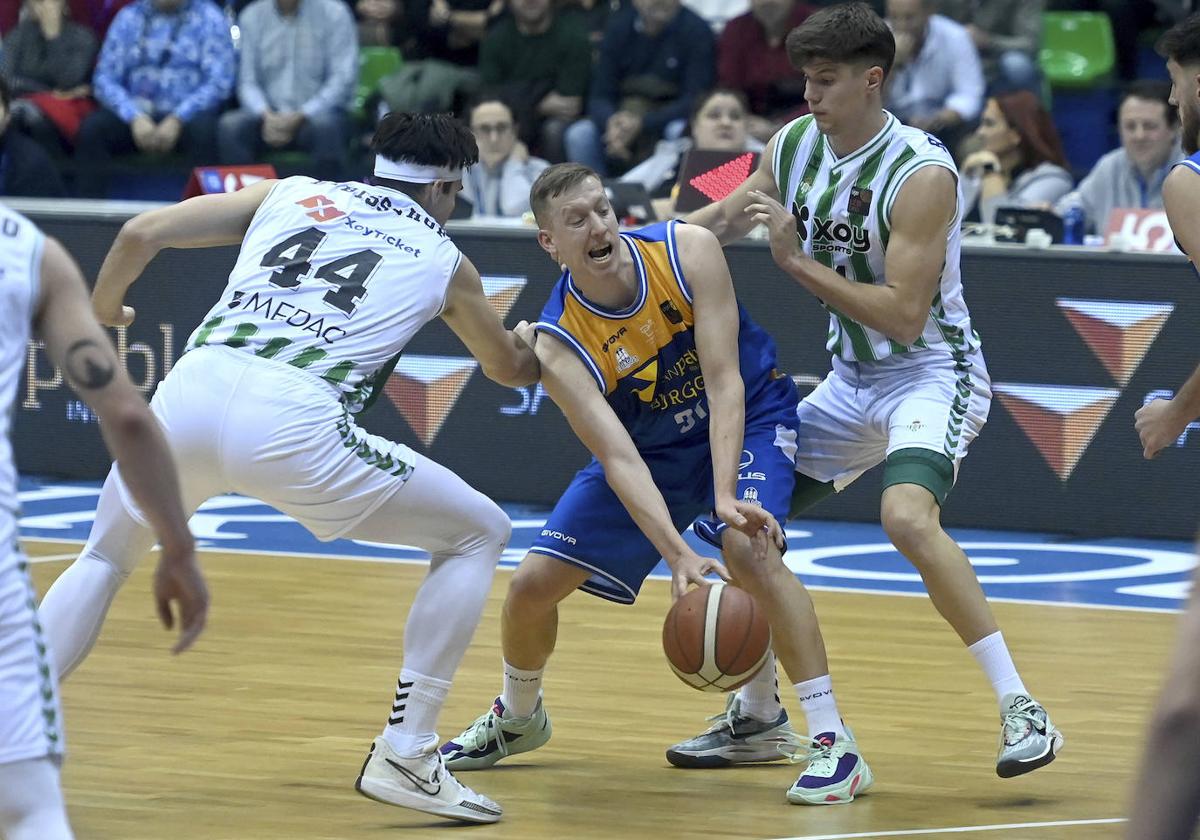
(414, 173)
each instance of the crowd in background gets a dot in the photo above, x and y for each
(96, 93)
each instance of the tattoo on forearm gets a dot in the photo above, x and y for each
(88, 365)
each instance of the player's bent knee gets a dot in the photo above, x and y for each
(909, 516)
(748, 570)
(540, 582)
(494, 524)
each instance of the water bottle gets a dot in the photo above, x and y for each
(1073, 226)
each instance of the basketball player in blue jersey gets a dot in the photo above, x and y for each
(1166, 798)
(864, 212)
(42, 292)
(675, 391)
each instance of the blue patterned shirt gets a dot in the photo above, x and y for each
(161, 64)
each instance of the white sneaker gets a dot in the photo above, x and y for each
(422, 783)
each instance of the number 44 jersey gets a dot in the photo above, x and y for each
(334, 279)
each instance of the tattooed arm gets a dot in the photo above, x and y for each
(78, 345)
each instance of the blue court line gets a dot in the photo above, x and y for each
(1125, 572)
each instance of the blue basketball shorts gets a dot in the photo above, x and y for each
(590, 528)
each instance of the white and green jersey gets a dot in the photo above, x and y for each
(21, 246)
(335, 279)
(843, 212)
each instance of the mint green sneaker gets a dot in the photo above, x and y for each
(835, 773)
(493, 736)
(1028, 739)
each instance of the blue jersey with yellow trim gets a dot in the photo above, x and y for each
(644, 357)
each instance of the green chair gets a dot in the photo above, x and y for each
(1077, 48)
(373, 64)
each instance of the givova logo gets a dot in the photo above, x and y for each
(425, 389)
(1060, 421)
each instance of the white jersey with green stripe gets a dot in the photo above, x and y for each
(21, 246)
(334, 279)
(843, 211)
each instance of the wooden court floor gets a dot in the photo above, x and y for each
(260, 731)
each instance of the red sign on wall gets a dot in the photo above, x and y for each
(207, 180)
(1139, 230)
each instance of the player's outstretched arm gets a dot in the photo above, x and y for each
(916, 253)
(727, 218)
(201, 222)
(503, 356)
(1166, 796)
(77, 345)
(716, 311)
(1161, 422)
(574, 391)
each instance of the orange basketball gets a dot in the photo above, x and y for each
(716, 638)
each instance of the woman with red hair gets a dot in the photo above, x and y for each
(1020, 161)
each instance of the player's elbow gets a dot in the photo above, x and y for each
(514, 371)
(908, 326)
(141, 234)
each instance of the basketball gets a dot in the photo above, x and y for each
(716, 638)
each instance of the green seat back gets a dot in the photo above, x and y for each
(1077, 48)
(373, 64)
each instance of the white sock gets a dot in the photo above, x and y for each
(759, 698)
(419, 700)
(820, 706)
(992, 655)
(521, 691)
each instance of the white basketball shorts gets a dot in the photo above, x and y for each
(861, 413)
(243, 424)
(30, 716)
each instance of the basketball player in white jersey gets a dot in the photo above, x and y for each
(864, 213)
(40, 286)
(332, 281)
(1166, 798)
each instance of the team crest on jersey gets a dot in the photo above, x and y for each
(672, 312)
(860, 202)
(625, 360)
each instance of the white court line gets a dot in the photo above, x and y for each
(50, 558)
(509, 564)
(964, 829)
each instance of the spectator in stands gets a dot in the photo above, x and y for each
(538, 60)
(718, 13)
(165, 69)
(452, 30)
(381, 23)
(936, 83)
(752, 58)
(1133, 175)
(720, 123)
(25, 167)
(594, 15)
(47, 62)
(499, 184)
(297, 68)
(96, 15)
(1020, 161)
(1007, 34)
(656, 58)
